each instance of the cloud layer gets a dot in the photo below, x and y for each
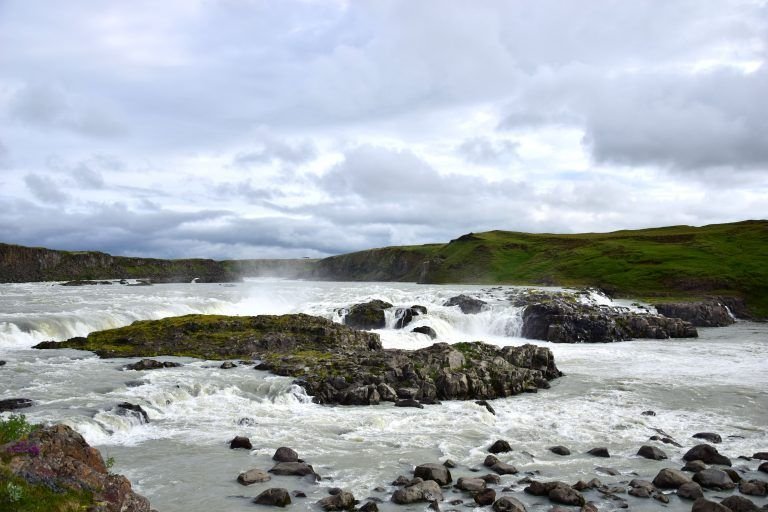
(304, 128)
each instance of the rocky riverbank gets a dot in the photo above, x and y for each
(334, 363)
(53, 468)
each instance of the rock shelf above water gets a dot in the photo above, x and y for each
(334, 363)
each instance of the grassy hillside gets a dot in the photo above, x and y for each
(674, 262)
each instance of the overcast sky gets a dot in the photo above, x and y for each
(244, 129)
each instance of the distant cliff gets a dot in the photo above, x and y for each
(27, 264)
(385, 264)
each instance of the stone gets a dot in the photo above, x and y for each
(485, 497)
(401, 480)
(645, 484)
(274, 497)
(508, 504)
(369, 315)
(134, 410)
(404, 316)
(669, 478)
(703, 505)
(426, 491)
(651, 452)
(739, 504)
(471, 484)
(240, 442)
(490, 478)
(409, 402)
(589, 507)
(694, 466)
(484, 403)
(707, 454)
(566, 495)
(560, 450)
(468, 305)
(502, 468)
(436, 472)
(714, 479)
(735, 476)
(151, 364)
(763, 468)
(298, 494)
(599, 452)
(285, 454)
(11, 404)
(342, 500)
(709, 436)
(425, 329)
(450, 464)
(500, 446)
(701, 314)
(753, 487)
(227, 365)
(690, 491)
(370, 506)
(760, 455)
(293, 469)
(253, 476)
(640, 492)
(648, 413)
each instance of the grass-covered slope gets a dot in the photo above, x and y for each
(674, 262)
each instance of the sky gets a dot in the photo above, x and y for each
(291, 128)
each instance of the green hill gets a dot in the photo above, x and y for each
(677, 262)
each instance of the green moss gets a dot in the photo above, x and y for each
(18, 495)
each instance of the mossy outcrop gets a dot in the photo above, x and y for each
(334, 363)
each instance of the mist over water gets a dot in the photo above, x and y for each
(181, 460)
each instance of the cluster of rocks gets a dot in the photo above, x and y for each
(371, 315)
(63, 461)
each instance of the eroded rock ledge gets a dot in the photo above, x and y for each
(334, 363)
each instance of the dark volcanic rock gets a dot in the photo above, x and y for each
(467, 305)
(669, 478)
(560, 450)
(240, 442)
(285, 454)
(334, 363)
(700, 314)
(427, 490)
(739, 504)
(763, 468)
(369, 315)
(561, 318)
(10, 404)
(436, 472)
(425, 329)
(339, 501)
(293, 469)
(484, 403)
(500, 446)
(404, 316)
(485, 497)
(753, 487)
(651, 452)
(760, 455)
(129, 409)
(703, 505)
(508, 504)
(66, 461)
(151, 364)
(409, 402)
(599, 452)
(690, 491)
(707, 454)
(274, 497)
(714, 479)
(694, 466)
(557, 492)
(709, 436)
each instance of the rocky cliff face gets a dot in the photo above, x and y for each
(387, 264)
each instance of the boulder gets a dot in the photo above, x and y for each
(694, 466)
(703, 505)
(490, 478)
(566, 495)
(11, 404)
(753, 487)
(227, 365)
(763, 468)
(471, 484)
(409, 402)
(651, 452)
(436, 472)
(285, 454)
(700, 314)
(340, 501)
(669, 478)
(500, 446)
(426, 491)
(425, 329)
(370, 506)
(485, 497)
(502, 468)
(760, 455)
(690, 491)
(468, 305)
(369, 315)
(240, 442)
(714, 479)
(707, 454)
(708, 436)
(134, 410)
(151, 364)
(253, 476)
(739, 504)
(293, 469)
(560, 450)
(274, 497)
(404, 316)
(599, 452)
(508, 504)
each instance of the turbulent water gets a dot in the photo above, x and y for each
(181, 460)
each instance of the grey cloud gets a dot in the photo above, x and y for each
(271, 149)
(45, 189)
(486, 151)
(87, 177)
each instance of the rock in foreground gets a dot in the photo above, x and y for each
(334, 363)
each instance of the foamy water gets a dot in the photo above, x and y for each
(181, 460)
